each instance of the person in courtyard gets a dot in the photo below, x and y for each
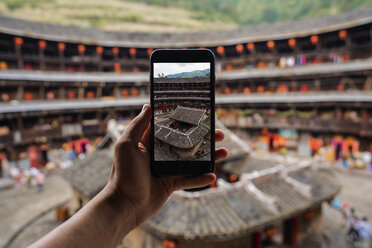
(131, 196)
(15, 173)
(365, 234)
(352, 221)
(40, 180)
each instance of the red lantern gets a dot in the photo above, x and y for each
(260, 89)
(90, 94)
(3, 65)
(304, 89)
(247, 90)
(149, 51)
(50, 95)
(228, 67)
(270, 231)
(314, 39)
(115, 50)
(81, 49)
(18, 41)
(42, 44)
(239, 48)
(61, 46)
(342, 34)
(124, 93)
(292, 43)
(71, 95)
(310, 214)
(5, 97)
(28, 96)
(135, 92)
(227, 91)
(117, 68)
(132, 51)
(233, 178)
(340, 87)
(99, 50)
(220, 50)
(270, 44)
(169, 244)
(250, 46)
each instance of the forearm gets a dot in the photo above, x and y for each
(103, 222)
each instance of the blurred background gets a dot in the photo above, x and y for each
(293, 94)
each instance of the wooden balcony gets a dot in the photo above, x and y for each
(363, 128)
(37, 135)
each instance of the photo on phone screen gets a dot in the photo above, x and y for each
(182, 105)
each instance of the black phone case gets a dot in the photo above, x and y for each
(181, 167)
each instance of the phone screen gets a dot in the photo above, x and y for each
(182, 110)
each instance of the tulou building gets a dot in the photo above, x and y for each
(185, 131)
(312, 77)
(295, 85)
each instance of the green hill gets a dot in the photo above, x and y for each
(190, 74)
(171, 15)
(245, 12)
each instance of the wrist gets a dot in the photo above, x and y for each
(128, 211)
(123, 213)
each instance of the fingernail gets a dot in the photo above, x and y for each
(144, 107)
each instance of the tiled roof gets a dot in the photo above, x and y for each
(248, 164)
(316, 179)
(236, 146)
(90, 174)
(183, 140)
(214, 216)
(282, 30)
(287, 198)
(236, 209)
(189, 115)
(178, 139)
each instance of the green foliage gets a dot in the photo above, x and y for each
(183, 15)
(245, 12)
(190, 74)
(14, 4)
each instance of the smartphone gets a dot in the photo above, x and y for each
(182, 95)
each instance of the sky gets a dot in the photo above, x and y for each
(173, 68)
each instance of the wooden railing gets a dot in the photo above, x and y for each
(93, 62)
(36, 134)
(312, 124)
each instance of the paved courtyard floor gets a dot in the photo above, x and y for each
(18, 209)
(356, 192)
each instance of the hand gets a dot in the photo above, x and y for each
(131, 182)
(131, 195)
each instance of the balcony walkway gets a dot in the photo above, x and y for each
(143, 77)
(136, 102)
